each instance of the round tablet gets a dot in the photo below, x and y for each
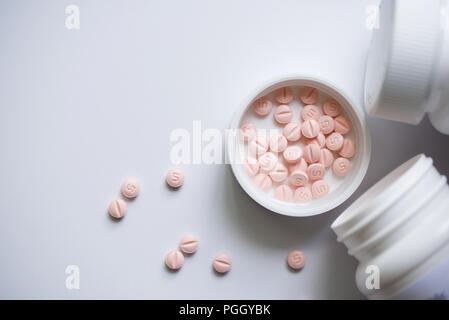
(222, 263)
(283, 193)
(327, 124)
(310, 128)
(302, 194)
(348, 149)
(267, 162)
(316, 171)
(292, 131)
(188, 244)
(283, 114)
(326, 157)
(334, 141)
(342, 125)
(332, 108)
(296, 259)
(292, 154)
(262, 106)
(174, 259)
(117, 208)
(312, 153)
(320, 188)
(298, 178)
(284, 95)
(310, 112)
(278, 143)
(130, 188)
(308, 95)
(175, 178)
(251, 166)
(279, 174)
(259, 145)
(341, 167)
(263, 181)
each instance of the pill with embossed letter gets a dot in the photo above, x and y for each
(316, 171)
(262, 106)
(302, 194)
(296, 259)
(341, 167)
(130, 188)
(267, 162)
(298, 178)
(332, 108)
(327, 124)
(334, 141)
(292, 154)
(310, 112)
(175, 178)
(320, 188)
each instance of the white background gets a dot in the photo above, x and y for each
(81, 110)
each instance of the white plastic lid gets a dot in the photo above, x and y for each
(402, 60)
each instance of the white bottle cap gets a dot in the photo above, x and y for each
(403, 59)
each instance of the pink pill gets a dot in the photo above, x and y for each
(174, 260)
(310, 112)
(262, 106)
(292, 154)
(341, 167)
(292, 131)
(267, 162)
(283, 193)
(310, 128)
(284, 95)
(278, 143)
(320, 188)
(251, 166)
(258, 145)
(263, 181)
(342, 125)
(301, 165)
(332, 108)
(247, 132)
(348, 149)
(303, 194)
(283, 114)
(316, 171)
(117, 208)
(320, 140)
(326, 157)
(312, 153)
(222, 263)
(298, 178)
(188, 244)
(130, 188)
(175, 178)
(296, 259)
(327, 124)
(279, 174)
(334, 141)
(308, 95)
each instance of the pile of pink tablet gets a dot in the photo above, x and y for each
(294, 163)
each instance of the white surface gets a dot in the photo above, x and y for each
(78, 111)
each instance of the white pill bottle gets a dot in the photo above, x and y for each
(407, 73)
(399, 229)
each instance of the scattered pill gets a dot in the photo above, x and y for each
(310, 128)
(283, 114)
(332, 108)
(292, 154)
(247, 132)
(316, 171)
(348, 149)
(310, 112)
(251, 166)
(283, 193)
(174, 260)
(262, 106)
(188, 244)
(267, 162)
(334, 141)
(296, 259)
(320, 188)
(263, 181)
(298, 178)
(279, 174)
(258, 145)
(327, 124)
(130, 188)
(175, 178)
(341, 167)
(222, 263)
(278, 143)
(118, 208)
(284, 95)
(312, 153)
(292, 131)
(308, 95)
(326, 157)
(301, 165)
(303, 194)
(342, 125)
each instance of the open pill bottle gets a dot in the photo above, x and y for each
(399, 232)
(341, 188)
(407, 74)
